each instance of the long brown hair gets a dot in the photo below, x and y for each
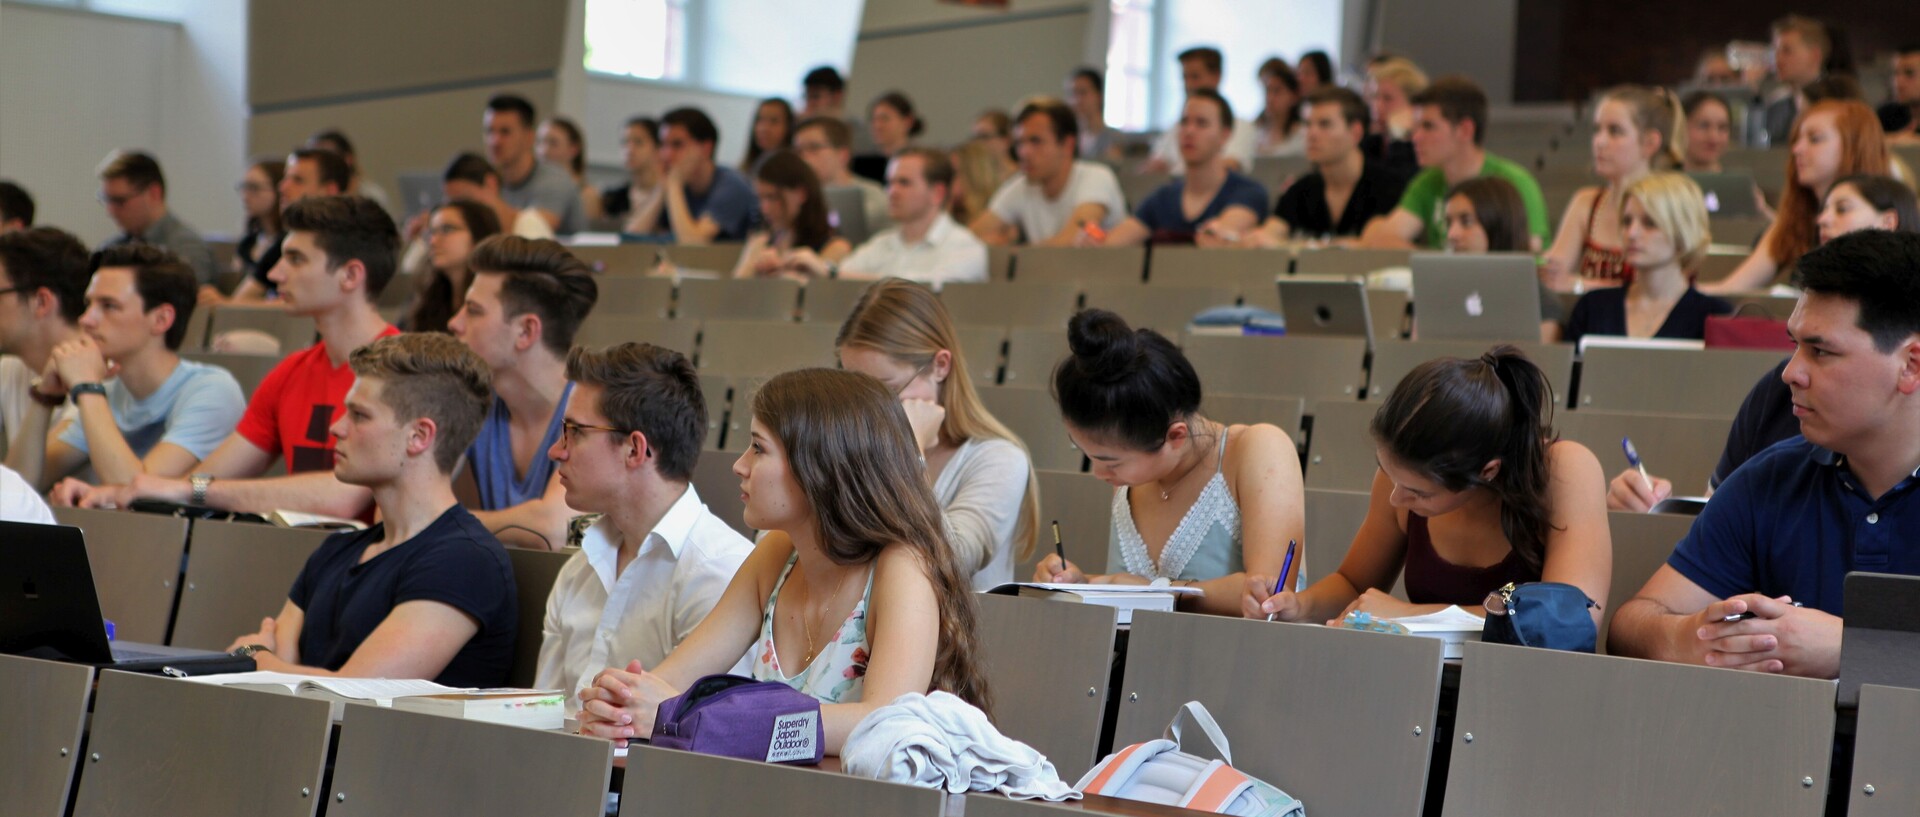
(1451, 416)
(1863, 149)
(853, 453)
(906, 322)
(438, 297)
(785, 170)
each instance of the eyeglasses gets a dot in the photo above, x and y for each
(447, 230)
(574, 432)
(252, 187)
(909, 381)
(116, 201)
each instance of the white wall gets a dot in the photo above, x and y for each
(76, 85)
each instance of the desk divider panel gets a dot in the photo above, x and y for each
(1341, 719)
(237, 574)
(136, 566)
(534, 572)
(394, 763)
(164, 746)
(1886, 751)
(1641, 544)
(1049, 664)
(672, 783)
(42, 718)
(1548, 732)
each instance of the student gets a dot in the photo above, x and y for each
(893, 123)
(635, 206)
(1635, 130)
(308, 172)
(1390, 88)
(1766, 417)
(259, 246)
(825, 95)
(977, 175)
(827, 145)
(926, 245)
(1663, 219)
(1833, 139)
(1055, 196)
(1801, 46)
(1214, 503)
(1087, 94)
(794, 213)
(1709, 131)
(993, 129)
(470, 178)
(705, 201)
(1344, 179)
(1315, 71)
(526, 183)
(19, 502)
(1201, 69)
(1786, 528)
(981, 474)
(356, 183)
(1900, 116)
(43, 283)
(337, 257)
(426, 592)
(564, 146)
(657, 560)
(1279, 125)
(1451, 117)
(16, 208)
(1212, 205)
(139, 408)
(1486, 214)
(852, 596)
(453, 229)
(772, 132)
(135, 195)
(526, 303)
(1474, 491)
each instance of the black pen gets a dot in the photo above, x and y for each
(1059, 548)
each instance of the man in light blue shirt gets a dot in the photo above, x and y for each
(139, 408)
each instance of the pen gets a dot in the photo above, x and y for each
(1749, 614)
(1633, 459)
(1057, 547)
(1284, 567)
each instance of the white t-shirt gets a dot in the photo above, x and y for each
(1239, 147)
(1023, 205)
(19, 503)
(530, 224)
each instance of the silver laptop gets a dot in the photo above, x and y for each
(1728, 195)
(847, 209)
(1488, 296)
(1880, 642)
(420, 191)
(1326, 305)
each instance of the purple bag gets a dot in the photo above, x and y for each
(739, 717)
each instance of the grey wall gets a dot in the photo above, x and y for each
(1472, 37)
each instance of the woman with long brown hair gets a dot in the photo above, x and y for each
(852, 596)
(795, 212)
(453, 230)
(1833, 139)
(981, 474)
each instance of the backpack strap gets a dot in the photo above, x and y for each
(1217, 785)
(1116, 770)
(1201, 717)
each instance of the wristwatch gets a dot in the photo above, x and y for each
(78, 389)
(199, 483)
(247, 650)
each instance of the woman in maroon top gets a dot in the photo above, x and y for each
(1474, 491)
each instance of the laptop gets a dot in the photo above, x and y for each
(49, 609)
(1484, 296)
(1728, 195)
(847, 209)
(419, 192)
(1326, 305)
(1881, 640)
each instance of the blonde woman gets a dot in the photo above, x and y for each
(1663, 221)
(1636, 129)
(982, 476)
(977, 174)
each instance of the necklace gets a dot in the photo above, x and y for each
(1166, 493)
(806, 621)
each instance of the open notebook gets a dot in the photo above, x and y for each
(541, 709)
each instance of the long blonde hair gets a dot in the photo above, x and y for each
(904, 321)
(977, 166)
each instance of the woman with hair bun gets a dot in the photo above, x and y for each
(1196, 502)
(1474, 490)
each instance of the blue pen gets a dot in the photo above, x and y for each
(1633, 459)
(1284, 567)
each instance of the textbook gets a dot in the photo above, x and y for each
(296, 519)
(536, 709)
(1453, 626)
(386, 692)
(1125, 598)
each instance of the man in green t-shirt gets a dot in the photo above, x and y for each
(1450, 124)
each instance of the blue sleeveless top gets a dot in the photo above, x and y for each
(491, 457)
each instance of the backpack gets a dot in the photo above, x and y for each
(1159, 771)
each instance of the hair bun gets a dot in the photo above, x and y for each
(1103, 345)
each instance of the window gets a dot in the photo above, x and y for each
(1144, 90)
(169, 10)
(1130, 56)
(638, 38)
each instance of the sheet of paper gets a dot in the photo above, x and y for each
(261, 677)
(1114, 588)
(380, 689)
(1451, 619)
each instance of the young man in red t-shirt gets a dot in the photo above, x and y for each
(339, 253)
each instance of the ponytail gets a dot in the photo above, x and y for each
(1655, 109)
(1449, 417)
(1673, 142)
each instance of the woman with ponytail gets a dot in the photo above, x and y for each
(852, 596)
(1636, 129)
(1474, 491)
(1196, 502)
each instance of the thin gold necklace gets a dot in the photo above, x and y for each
(806, 622)
(1166, 493)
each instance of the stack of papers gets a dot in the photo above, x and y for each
(1453, 626)
(1125, 598)
(541, 709)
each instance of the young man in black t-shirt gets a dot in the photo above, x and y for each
(1343, 179)
(428, 592)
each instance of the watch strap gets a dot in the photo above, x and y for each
(78, 389)
(199, 483)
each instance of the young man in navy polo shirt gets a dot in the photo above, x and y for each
(427, 592)
(1788, 525)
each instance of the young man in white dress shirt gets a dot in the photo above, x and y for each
(652, 567)
(928, 246)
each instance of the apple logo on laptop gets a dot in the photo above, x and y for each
(1474, 306)
(1713, 202)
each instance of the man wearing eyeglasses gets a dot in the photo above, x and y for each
(657, 561)
(135, 194)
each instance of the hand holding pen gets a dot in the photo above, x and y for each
(1634, 489)
(1276, 603)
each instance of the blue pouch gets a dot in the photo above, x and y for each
(1541, 614)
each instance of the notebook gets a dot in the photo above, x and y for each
(1125, 598)
(1484, 296)
(50, 609)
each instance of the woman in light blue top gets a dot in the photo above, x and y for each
(1213, 503)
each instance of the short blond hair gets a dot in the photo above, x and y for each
(1675, 204)
(1401, 72)
(431, 375)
